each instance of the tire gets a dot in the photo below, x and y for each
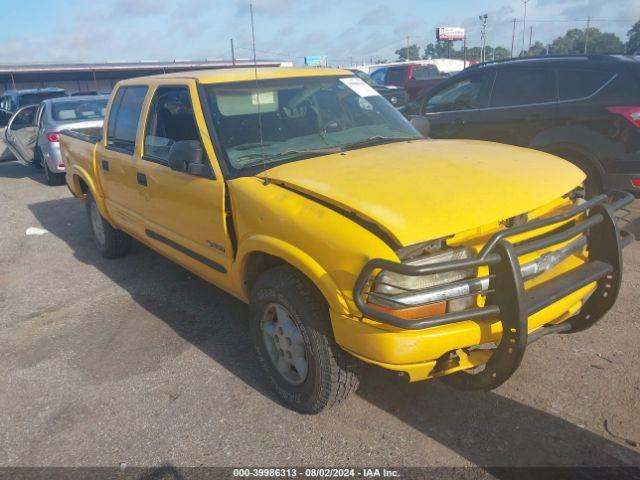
(331, 374)
(593, 182)
(38, 161)
(53, 178)
(110, 242)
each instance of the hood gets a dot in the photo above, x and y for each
(426, 189)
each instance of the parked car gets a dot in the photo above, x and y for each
(12, 100)
(415, 78)
(307, 195)
(585, 109)
(396, 95)
(34, 131)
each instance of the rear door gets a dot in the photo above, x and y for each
(118, 155)
(523, 103)
(21, 133)
(455, 110)
(184, 213)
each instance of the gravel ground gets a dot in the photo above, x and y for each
(135, 360)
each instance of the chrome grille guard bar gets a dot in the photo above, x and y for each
(508, 301)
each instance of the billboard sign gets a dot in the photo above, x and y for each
(449, 33)
(315, 61)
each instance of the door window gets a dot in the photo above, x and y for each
(5, 116)
(170, 120)
(395, 76)
(24, 118)
(523, 87)
(462, 95)
(123, 122)
(574, 84)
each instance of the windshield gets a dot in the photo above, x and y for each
(79, 110)
(290, 119)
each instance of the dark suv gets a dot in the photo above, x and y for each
(585, 109)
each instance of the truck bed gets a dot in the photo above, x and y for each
(77, 147)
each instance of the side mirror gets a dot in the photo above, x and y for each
(187, 156)
(421, 124)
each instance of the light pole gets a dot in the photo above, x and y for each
(483, 35)
(524, 22)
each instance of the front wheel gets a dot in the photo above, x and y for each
(291, 331)
(110, 242)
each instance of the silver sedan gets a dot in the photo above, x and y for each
(34, 131)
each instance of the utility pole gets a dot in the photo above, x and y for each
(586, 35)
(407, 50)
(513, 36)
(233, 54)
(464, 50)
(524, 22)
(483, 36)
(530, 35)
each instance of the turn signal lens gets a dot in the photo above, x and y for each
(53, 137)
(413, 313)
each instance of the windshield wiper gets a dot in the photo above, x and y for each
(375, 140)
(260, 157)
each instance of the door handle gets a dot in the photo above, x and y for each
(105, 165)
(142, 179)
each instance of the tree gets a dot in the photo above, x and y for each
(633, 44)
(500, 53)
(537, 49)
(436, 50)
(409, 53)
(597, 42)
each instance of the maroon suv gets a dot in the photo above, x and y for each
(416, 79)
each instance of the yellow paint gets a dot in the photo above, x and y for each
(414, 191)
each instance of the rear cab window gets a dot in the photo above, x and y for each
(425, 72)
(124, 118)
(523, 87)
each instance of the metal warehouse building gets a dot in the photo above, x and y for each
(101, 77)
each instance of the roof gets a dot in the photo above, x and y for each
(121, 66)
(27, 91)
(75, 98)
(244, 74)
(599, 58)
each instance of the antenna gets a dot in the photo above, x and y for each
(255, 73)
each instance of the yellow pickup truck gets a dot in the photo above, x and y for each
(352, 237)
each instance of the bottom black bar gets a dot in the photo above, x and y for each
(182, 249)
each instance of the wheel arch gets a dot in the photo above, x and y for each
(261, 253)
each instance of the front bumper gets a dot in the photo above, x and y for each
(556, 300)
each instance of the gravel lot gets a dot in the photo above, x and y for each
(137, 361)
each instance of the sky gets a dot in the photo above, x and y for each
(347, 31)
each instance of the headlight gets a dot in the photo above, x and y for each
(394, 100)
(420, 296)
(391, 283)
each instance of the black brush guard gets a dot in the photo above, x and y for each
(508, 301)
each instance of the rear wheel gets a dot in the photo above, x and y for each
(291, 331)
(38, 161)
(110, 242)
(52, 178)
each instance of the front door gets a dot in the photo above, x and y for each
(455, 110)
(184, 213)
(21, 134)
